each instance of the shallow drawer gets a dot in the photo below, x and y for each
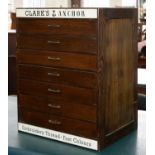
(62, 92)
(58, 26)
(53, 106)
(56, 75)
(57, 59)
(54, 122)
(57, 43)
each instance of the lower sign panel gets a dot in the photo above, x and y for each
(60, 136)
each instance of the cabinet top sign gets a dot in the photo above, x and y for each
(56, 13)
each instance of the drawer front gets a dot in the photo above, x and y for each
(53, 106)
(72, 126)
(58, 26)
(58, 59)
(57, 43)
(62, 92)
(56, 75)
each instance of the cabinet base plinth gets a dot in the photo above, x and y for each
(59, 136)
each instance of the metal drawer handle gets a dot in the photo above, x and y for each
(54, 122)
(53, 42)
(54, 26)
(53, 74)
(54, 90)
(54, 58)
(54, 106)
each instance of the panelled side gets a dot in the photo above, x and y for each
(117, 68)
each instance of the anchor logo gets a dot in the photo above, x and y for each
(53, 13)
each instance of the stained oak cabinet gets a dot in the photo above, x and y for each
(77, 74)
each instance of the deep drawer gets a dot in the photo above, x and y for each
(56, 75)
(57, 43)
(53, 106)
(57, 59)
(58, 26)
(58, 123)
(63, 93)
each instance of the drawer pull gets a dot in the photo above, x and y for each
(53, 26)
(53, 42)
(54, 90)
(54, 122)
(54, 106)
(54, 74)
(54, 58)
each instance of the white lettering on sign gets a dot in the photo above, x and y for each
(56, 13)
(60, 136)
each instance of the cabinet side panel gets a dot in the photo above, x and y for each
(120, 75)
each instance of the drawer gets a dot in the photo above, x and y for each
(63, 93)
(57, 59)
(58, 26)
(57, 75)
(53, 106)
(58, 123)
(57, 43)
